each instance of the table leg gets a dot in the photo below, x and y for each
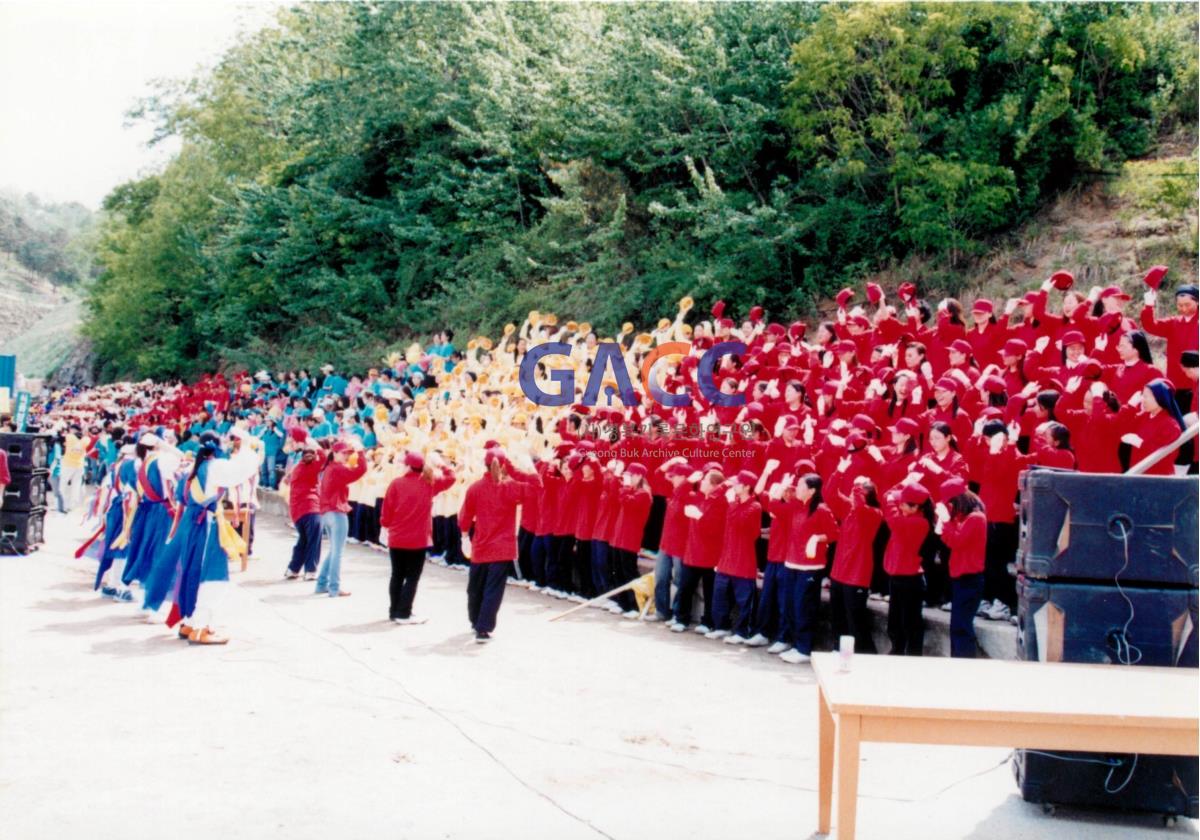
(825, 738)
(848, 730)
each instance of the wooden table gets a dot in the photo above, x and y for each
(992, 703)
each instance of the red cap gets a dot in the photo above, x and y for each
(790, 420)
(679, 469)
(1014, 347)
(907, 426)
(864, 422)
(994, 385)
(1110, 322)
(947, 384)
(718, 309)
(845, 346)
(983, 305)
(340, 446)
(861, 321)
(756, 314)
(298, 434)
(843, 297)
(776, 329)
(746, 478)
(1073, 337)
(1154, 276)
(951, 487)
(907, 291)
(797, 330)
(961, 345)
(1062, 280)
(414, 461)
(914, 494)
(874, 292)
(856, 440)
(637, 469)
(727, 323)
(1114, 292)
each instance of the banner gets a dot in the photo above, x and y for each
(22, 412)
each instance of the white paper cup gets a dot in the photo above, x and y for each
(845, 652)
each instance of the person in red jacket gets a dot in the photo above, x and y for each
(346, 467)
(304, 506)
(635, 500)
(963, 526)
(489, 515)
(737, 570)
(705, 511)
(996, 466)
(408, 517)
(1158, 424)
(909, 516)
(773, 624)
(853, 565)
(813, 530)
(669, 564)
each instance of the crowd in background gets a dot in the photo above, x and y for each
(877, 453)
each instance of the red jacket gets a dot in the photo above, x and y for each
(1095, 437)
(1126, 380)
(675, 524)
(1181, 334)
(804, 527)
(743, 522)
(967, 540)
(335, 485)
(5, 478)
(490, 507)
(631, 521)
(997, 477)
(1155, 432)
(705, 534)
(589, 505)
(568, 508)
(903, 554)
(781, 511)
(854, 560)
(408, 509)
(303, 496)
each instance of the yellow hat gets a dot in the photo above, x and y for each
(644, 339)
(550, 319)
(472, 344)
(626, 328)
(509, 329)
(686, 329)
(413, 353)
(534, 317)
(686, 303)
(572, 326)
(663, 323)
(485, 342)
(585, 327)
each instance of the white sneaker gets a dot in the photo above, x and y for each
(757, 640)
(412, 619)
(614, 609)
(946, 607)
(735, 640)
(794, 657)
(716, 634)
(630, 614)
(576, 598)
(676, 627)
(702, 629)
(984, 606)
(777, 647)
(875, 596)
(651, 617)
(999, 612)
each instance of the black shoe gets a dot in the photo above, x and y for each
(482, 638)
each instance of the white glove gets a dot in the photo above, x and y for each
(943, 512)
(1041, 344)
(1097, 389)
(979, 426)
(841, 315)
(821, 404)
(827, 358)
(1136, 399)
(1132, 439)
(874, 452)
(843, 464)
(810, 549)
(465, 546)
(383, 536)
(1073, 384)
(836, 440)
(809, 431)
(1011, 306)
(927, 370)
(692, 512)
(1101, 342)
(694, 477)
(1150, 297)
(775, 493)
(996, 442)
(1014, 432)
(729, 494)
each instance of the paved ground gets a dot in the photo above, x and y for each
(322, 720)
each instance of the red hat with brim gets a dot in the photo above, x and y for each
(843, 297)
(1114, 292)
(1154, 276)
(874, 292)
(951, 487)
(414, 461)
(914, 494)
(1062, 280)
(1073, 337)
(983, 305)
(1014, 347)
(907, 426)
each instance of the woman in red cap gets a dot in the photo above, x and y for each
(946, 408)
(1088, 410)
(635, 501)
(963, 526)
(347, 466)
(737, 570)
(986, 333)
(909, 516)
(706, 515)
(408, 517)
(813, 530)
(773, 624)
(995, 466)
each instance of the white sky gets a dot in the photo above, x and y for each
(70, 70)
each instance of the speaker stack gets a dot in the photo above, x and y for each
(23, 508)
(1107, 574)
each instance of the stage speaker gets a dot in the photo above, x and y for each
(21, 533)
(26, 452)
(27, 491)
(1083, 527)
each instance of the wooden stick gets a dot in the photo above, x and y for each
(603, 597)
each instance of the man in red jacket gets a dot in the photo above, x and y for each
(346, 467)
(408, 517)
(304, 506)
(489, 514)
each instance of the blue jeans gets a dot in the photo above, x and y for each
(741, 592)
(965, 593)
(600, 581)
(773, 620)
(337, 526)
(666, 569)
(307, 550)
(804, 602)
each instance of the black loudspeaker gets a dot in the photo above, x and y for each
(26, 452)
(1159, 784)
(1073, 527)
(21, 533)
(26, 492)
(1072, 622)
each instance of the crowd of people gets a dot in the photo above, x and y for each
(877, 454)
